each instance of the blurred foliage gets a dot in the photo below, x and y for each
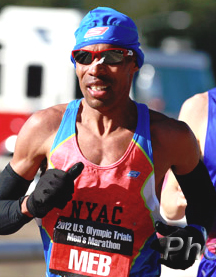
(152, 18)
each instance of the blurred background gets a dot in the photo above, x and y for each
(36, 37)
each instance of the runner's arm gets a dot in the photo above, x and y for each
(11, 217)
(17, 176)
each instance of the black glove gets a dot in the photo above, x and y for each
(176, 247)
(54, 190)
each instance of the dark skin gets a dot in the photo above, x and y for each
(108, 118)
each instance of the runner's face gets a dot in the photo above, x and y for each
(106, 86)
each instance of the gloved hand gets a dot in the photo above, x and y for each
(176, 245)
(53, 190)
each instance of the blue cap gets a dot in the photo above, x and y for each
(106, 25)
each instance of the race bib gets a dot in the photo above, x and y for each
(86, 248)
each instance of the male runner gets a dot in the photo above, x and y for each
(106, 159)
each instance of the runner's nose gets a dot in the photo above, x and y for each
(97, 66)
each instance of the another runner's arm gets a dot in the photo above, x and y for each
(194, 112)
(199, 192)
(200, 212)
(200, 195)
(194, 181)
(173, 201)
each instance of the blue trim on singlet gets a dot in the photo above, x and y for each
(141, 135)
(147, 259)
(145, 264)
(207, 265)
(63, 133)
(210, 142)
(47, 245)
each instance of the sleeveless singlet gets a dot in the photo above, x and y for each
(210, 143)
(107, 227)
(207, 265)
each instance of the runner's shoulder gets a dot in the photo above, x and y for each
(46, 119)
